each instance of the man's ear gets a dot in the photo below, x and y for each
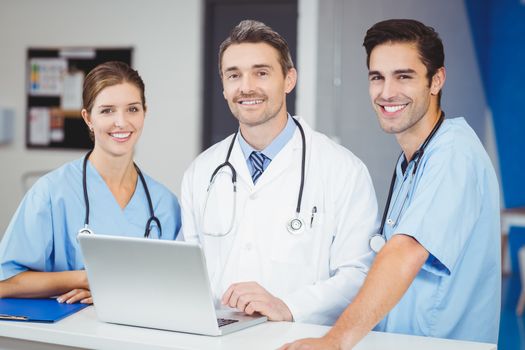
(290, 80)
(438, 80)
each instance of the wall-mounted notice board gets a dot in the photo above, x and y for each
(54, 94)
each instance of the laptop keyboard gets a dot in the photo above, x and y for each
(225, 321)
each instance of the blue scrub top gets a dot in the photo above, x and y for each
(451, 207)
(42, 234)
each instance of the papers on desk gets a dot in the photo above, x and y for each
(36, 310)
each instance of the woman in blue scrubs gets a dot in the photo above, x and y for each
(39, 253)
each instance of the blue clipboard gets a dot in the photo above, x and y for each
(36, 310)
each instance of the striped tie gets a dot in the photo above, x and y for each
(257, 159)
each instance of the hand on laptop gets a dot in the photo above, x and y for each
(79, 294)
(250, 297)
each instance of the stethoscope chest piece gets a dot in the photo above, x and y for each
(295, 226)
(85, 231)
(377, 242)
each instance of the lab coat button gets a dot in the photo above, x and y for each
(253, 196)
(248, 246)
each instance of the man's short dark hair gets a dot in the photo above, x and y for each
(250, 31)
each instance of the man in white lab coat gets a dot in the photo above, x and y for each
(283, 213)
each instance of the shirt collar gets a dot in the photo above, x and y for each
(275, 146)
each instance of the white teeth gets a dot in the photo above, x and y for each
(121, 135)
(392, 109)
(251, 102)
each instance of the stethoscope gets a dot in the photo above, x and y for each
(295, 225)
(152, 218)
(378, 240)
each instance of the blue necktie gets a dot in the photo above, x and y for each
(257, 159)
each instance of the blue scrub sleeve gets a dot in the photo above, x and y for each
(27, 242)
(444, 207)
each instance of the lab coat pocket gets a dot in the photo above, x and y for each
(295, 257)
(299, 248)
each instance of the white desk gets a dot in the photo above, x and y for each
(83, 330)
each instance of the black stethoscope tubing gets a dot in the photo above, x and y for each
(303, 166)
(152, 217)
(227, 164)
(234, 172)
(416, 158)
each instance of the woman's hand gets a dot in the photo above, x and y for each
(76, 295)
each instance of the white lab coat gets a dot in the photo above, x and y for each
(316, 273)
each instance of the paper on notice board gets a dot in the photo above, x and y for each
(56, 125)
(39, 126)
(46, 78)
(72, 96)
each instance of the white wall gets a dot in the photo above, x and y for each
(166, 36)
(306, 62)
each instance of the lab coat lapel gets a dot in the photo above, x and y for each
(310, 147)
(239, 163)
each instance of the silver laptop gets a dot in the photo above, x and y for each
(155, 284)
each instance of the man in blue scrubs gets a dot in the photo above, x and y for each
(439, 273)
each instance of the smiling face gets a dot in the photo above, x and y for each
(254, 84)
(402, 96)
(116, 119)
